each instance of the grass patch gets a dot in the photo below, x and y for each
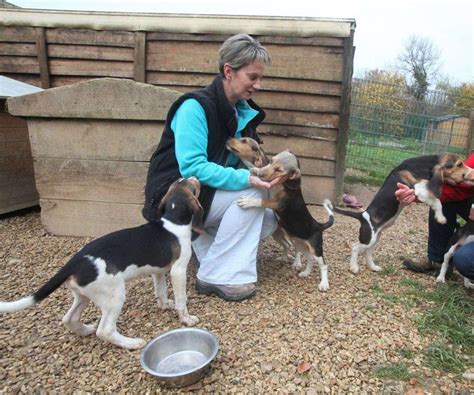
(376, 288)
(397, 371)
(406, 353)
(387, 271)
(441, 357)
(451, 317)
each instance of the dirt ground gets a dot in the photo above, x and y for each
(289, 338)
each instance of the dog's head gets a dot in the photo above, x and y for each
(452, 170)
(249, 151)
(180, 204)
(285, 165)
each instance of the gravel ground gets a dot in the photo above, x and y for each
(289, 338)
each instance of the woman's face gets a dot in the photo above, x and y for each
(244, 82)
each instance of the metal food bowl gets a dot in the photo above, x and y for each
(180, 357)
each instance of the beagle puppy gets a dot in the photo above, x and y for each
(424, 174)
(99, 271)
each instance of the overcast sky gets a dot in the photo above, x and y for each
(382, 26)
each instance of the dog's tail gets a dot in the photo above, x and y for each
(354, 214)
(53, 283)
(328, 207)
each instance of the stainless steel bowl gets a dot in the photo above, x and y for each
(180, 357)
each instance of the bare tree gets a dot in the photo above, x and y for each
(420, 61)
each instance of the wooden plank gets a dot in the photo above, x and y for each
(68, 80)
(300, 146)
(16, 164)
(14, 149)
(13, 177)
(173, 56)
(198, 80)
(10, 205)
(316, 189)
(19, 64)
(83, 218)
(316, 120)
(18, 195)
(93, 180)
(14, 133)
(139, 58)
(93, 68)
(17, 34)
(90, 52)
(9, 121)
(297, 101)
(115, 38)
(301, 131)
(220, 38)
(42, 57)
(128, 141)
(17, 49)
(343, 134)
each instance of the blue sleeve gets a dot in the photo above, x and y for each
(190, 129)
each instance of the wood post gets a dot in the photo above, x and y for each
(42, 57)
(139, 60)
(343, 132)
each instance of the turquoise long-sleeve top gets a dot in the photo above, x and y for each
(191, 136)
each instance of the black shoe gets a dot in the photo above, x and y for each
(421, 265)
(227, 292)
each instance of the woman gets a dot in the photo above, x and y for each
(193, 144)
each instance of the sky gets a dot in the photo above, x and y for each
(383, 27)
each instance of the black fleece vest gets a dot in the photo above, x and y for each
(222, 124)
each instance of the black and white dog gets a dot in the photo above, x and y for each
(426, 175)
(462, 236)
(98, 272)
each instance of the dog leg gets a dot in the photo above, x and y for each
(72, 318)
(468, 283)
(309, 265)
(280, 238)
(111, 303)
(425, 196)
(324, 284)
(178, 281)
(159, 282)
(356, 249)
(444, 267)
(370, 260)
(297, 265)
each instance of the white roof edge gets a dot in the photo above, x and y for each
(179, 23)
(10, 87)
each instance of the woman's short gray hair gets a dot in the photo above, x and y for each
(240, 50)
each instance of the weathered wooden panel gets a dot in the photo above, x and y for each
(114, 38)
(316, 189)
(197, 80)
(67, 80)
(93, 68)
(94, 180)
(13, 134)
(173, 56)
(90, 52)
(17, 49)
(300, 131)
(19, 64)
(18, 34)
(14, 148)
(27, 78)
(300, 146)
(79, 218)
(297, 101)
(316, 120)
(89, 139)
(17, 196)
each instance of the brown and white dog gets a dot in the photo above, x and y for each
(462, 236)
(305, 233)
(426, 175)
(98, 272)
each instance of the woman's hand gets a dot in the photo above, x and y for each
(404, 194)
(258, 183)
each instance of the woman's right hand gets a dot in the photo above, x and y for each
(258, 183)
(404, 194)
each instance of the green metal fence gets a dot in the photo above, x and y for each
(387, 125)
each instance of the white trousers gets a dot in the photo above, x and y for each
(227, 252)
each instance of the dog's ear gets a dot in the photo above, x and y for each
(296, 173)
(436, 183)
(164, 200)
(198, 214)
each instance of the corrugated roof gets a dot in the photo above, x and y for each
(179, 23)
(10, 87)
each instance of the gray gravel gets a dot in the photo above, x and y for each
(289, 338)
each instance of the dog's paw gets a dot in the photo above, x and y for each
(355, 268)
(323, 286)
(190, 320)
(468, 284)
(376, 268)
(87, 330)
(441, 219)
(247, 202)
(440, 279)
(165, 305)
(297, 265)
(304, 273)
